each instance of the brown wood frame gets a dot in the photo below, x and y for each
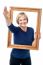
(38, 10)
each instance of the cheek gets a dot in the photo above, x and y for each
(25, 23)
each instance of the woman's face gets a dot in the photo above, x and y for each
(22, 21)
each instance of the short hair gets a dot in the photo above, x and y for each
(19, 15)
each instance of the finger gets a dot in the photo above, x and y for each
(5, 11)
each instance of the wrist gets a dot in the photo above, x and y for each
(8, 24)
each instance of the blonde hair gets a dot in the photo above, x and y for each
(19, 15)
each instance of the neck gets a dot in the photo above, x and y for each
(24, 28)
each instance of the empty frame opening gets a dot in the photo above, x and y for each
(32, 21)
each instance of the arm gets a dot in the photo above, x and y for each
(13, 28)
(9, 18)
(35, 38)
(8, 15)
(34, 43)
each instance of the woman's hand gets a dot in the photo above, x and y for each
(8, 15)
(34, 44)
(37, 35)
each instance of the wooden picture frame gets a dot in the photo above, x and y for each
(38, 10)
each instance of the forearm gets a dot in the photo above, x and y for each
(13, 28)
(8, 23)
(10, 27)
(34, 43)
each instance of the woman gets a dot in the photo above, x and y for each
(22, 35)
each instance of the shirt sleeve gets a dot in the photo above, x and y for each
(12, 28)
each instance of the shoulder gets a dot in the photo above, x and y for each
(30, 28)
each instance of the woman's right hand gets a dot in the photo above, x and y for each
(8, 15)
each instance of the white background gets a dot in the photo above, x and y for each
(36, 55)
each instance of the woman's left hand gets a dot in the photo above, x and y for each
(37, 35)
(35, 38)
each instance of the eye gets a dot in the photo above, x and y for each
(24, 19)
(20, 20)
